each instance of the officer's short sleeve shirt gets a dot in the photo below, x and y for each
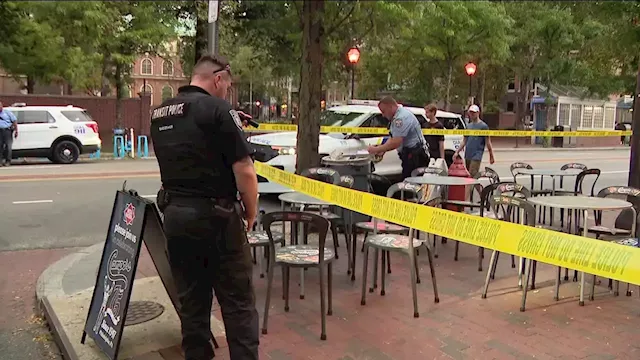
(406, 126)
(225, 128)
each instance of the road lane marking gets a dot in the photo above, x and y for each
(32, 202)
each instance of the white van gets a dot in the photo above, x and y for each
(59, 133)
(279, 149)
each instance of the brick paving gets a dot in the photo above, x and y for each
(461, 326)
(23, 333)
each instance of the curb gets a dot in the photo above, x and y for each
(49, 283)
(59, 335)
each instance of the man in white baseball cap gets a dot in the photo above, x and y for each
(475, 144)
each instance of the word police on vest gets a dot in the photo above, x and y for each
(169, 110)
(128, 235)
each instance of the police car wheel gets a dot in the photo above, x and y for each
(65, 152)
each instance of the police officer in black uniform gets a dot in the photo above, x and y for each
(204, 164)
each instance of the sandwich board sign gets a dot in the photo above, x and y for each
(133, 220)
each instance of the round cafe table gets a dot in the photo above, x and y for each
(552, 173)
(445, 182)
(272, 188)
(584, 204)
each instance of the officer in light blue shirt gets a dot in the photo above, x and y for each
(8, 130)
(406, 136)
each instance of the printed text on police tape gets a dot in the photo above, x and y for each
(583, 254)
(496, 133)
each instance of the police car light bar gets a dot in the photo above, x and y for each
(18, 105)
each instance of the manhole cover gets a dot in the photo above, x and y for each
(142, 311)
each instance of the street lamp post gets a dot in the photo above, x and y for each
(353, 55)
(470, 69)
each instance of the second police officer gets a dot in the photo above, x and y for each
(406, 136)
(204, 163)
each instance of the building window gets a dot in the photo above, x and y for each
(510, 106)
(512, 86)
(576, 112)
(146, 67)
(563, 115)
(609, 118)
(167, 67)
(167, 92)
(598, 117)
(587, 117)
(148, 89)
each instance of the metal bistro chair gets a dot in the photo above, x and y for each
(329, 176)
(300, 256)
(542, 215)
(568, 166)
(407, 191)
(336, 220)
(506, 205)
(427, 170)
(404, 244)
(258, 238)
(620, 233)
(485, 210)
(492, 174)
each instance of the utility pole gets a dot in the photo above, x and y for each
(634, 162)
(214, 11)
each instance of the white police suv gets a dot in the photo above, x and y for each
(279, 149)
(59, 133)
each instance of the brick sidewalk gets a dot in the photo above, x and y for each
(461, 326)
(23, 333)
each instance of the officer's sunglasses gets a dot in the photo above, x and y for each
(226, 68)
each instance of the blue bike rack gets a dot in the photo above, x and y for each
(95, 154)
(143, 146)
(119, 147)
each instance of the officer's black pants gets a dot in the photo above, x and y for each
(208, 252)
(411, 161)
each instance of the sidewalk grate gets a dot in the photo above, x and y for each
(142, 311)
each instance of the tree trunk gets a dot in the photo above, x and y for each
(69, 89)
(447, 97)
(310, 84)
(31, 84)
(119, 83)
(634, 162)
(202, 26)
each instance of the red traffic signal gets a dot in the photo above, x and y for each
(353, 55)
(470, 68)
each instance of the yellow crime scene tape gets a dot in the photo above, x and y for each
(591, 256)
(497, 133)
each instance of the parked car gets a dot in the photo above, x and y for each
(59, 133)
(279, 149)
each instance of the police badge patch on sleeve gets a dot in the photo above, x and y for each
(236, 118)
(397, 123)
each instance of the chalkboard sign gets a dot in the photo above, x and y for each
(111, 294)
(133, 220)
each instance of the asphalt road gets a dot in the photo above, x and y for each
(52, 206)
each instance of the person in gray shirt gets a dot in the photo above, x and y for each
(406, 136)
(475, 144)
